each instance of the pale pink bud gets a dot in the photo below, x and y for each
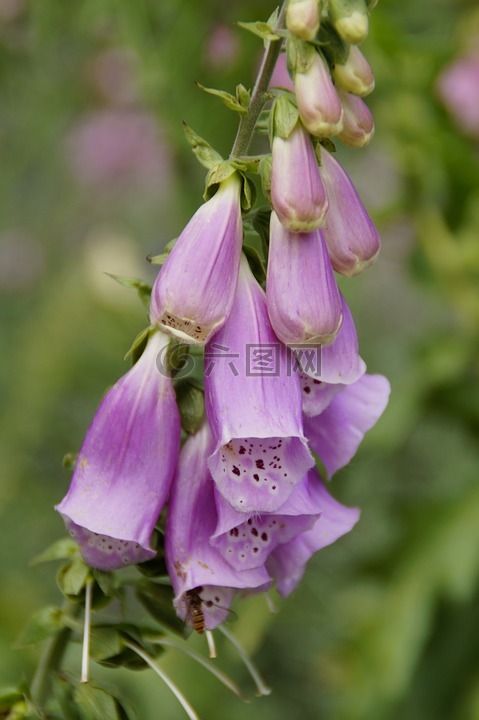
(302, 18)
(297, 190)
(358, 126)
(318, 102)
(355, 75)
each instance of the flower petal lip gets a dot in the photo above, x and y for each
(246, 540)
(287, 562)
(352, 239)
(260, 452)
(302, 19)
(297, 190)
(340, 364)
(125, 467)
(194, 290)
(318, 102)
(193, 563)
(303, 299)
(336, 433)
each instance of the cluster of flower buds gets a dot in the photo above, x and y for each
(283, 378)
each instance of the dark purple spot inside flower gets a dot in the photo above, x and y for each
(236, 470)
(307, 390)
(260, 464)
(264, 537)
(254, 532)
(256, 477)
(242, 450)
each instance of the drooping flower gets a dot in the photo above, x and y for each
(281, 77)
(304, 303)
(302, 18)
(337, 432)
(355, 75)
(339, 364)
(125, 467)
(246, 540)
(358, 125)
(253, 404)
(194, 291)
(352, 239)
(297, 191)
(199, 574)
(318, 102)
(287, 562)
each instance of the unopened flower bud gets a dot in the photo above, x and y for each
(318, 102)
(358, 127)
(297, 190)
(302, 18)
(304, 303)
(350, 18)
(194, 291)
(355, 75)
(352, 239)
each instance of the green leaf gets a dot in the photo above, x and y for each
(261, 29)
(161, 258)
(158, 602)
(191, 405)
(107, 582)
(138, 346)
(284, 116)
(105, 642)
(243, 96)
(203, 151)
(63, 549)
(8, 698)
(261, 221)
(143, 289)
(217, 174)
(95, 703)
(231, 102)
(255, 262)
(72, 578)
(43, 624)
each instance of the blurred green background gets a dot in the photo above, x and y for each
(95, 175)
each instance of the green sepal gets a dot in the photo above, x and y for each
(261, 223)
(138, 346)
(335, 49)
(247, 164)
(238, 103)
(161, 258)
(262, 124)
(72, 578)
(256, 263)
(283, 117)
(262, 30)
(158, 602)
(9, 697)
(43, 624)
(63, 549)
(108, 583)
(95, 703)
(218, 173)
(300, 55)
(203, 150)
(105, 642)
(265, 175)
(328, 145)
(191, 405)
(126, 657)
(177, 361)
(69, 460)
(143, 289)
(248, 193)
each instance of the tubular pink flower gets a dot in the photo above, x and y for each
(340, 365)
(194, 291)
(125, 467)
(287, 562)
(253, 404)
(304, 303)
(355, 75)
(352, 239)
(297, 191)
(281, 76)
(336, 434)
(358, 127)
(318, 102)
(302, 18)
(196, 568)
(246, 540)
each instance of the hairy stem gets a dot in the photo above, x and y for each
(259, 95)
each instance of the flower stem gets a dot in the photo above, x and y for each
(51, 660)
(259, 95)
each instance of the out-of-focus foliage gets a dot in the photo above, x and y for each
(96, 175)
